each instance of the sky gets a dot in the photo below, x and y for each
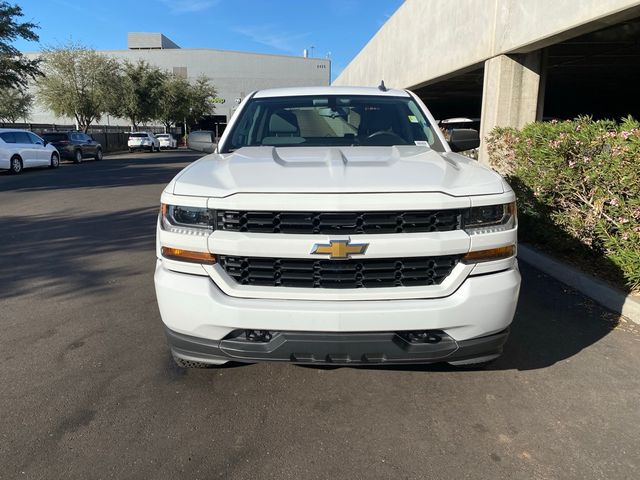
(335, 28)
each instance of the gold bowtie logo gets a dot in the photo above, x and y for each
(339, 249)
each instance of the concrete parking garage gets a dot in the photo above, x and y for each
(506, 62)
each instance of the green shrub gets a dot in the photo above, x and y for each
(578, 187)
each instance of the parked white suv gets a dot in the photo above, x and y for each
(143, 141)
(20, 149)
(167, 140)
(335, 225)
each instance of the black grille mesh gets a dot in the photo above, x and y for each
(338, 222)
(370, 273)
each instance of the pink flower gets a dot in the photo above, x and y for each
(627, 134)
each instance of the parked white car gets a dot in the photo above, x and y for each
(335, 225)
(167, 140)
(20, 149)
(143, 141)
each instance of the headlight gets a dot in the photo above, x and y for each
(187, 220)
(490, 218)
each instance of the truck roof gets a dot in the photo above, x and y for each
(303, 91)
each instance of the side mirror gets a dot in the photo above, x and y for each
(463, 139)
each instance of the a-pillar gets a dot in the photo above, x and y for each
(511, 93)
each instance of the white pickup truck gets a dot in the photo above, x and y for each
(337, 226)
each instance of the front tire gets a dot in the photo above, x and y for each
(55, 160)
(98, 155)
(77, 156)
(16, 166)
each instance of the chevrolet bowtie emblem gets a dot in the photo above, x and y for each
(339, 249)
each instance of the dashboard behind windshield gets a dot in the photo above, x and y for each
(331, 120)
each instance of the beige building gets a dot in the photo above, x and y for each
(234, 74)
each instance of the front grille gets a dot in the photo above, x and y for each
(344, 223)
(370, 273)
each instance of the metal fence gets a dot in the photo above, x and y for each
(113, 138)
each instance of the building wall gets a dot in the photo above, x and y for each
(234, 74)
(425, 41)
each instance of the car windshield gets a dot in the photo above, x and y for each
(138, 135)
(332, 120)
(162, 135)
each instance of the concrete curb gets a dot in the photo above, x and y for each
(597, 290)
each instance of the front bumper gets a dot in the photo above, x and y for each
(336, 348)
(193, 306)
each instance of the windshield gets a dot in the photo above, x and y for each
(331, 120)
(162, 135)
(137, 135)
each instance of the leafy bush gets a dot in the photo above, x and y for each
(578, 188)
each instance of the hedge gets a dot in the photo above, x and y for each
(578, 189)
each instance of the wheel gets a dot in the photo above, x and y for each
(131, 150)
(77, 156)
(55, 160)
(16, 165)
(98, 155)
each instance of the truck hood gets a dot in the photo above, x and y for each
(336, 170)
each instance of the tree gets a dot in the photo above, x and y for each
(181, 100)
(14, 104)
(174, 100)
(140, 89)
(15, 69)
(78, 82)
(201, 95)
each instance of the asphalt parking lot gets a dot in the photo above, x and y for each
(88, 389)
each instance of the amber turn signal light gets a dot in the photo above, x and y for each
(491, 254)
(188, 256)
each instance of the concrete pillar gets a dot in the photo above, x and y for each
(510, 95)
